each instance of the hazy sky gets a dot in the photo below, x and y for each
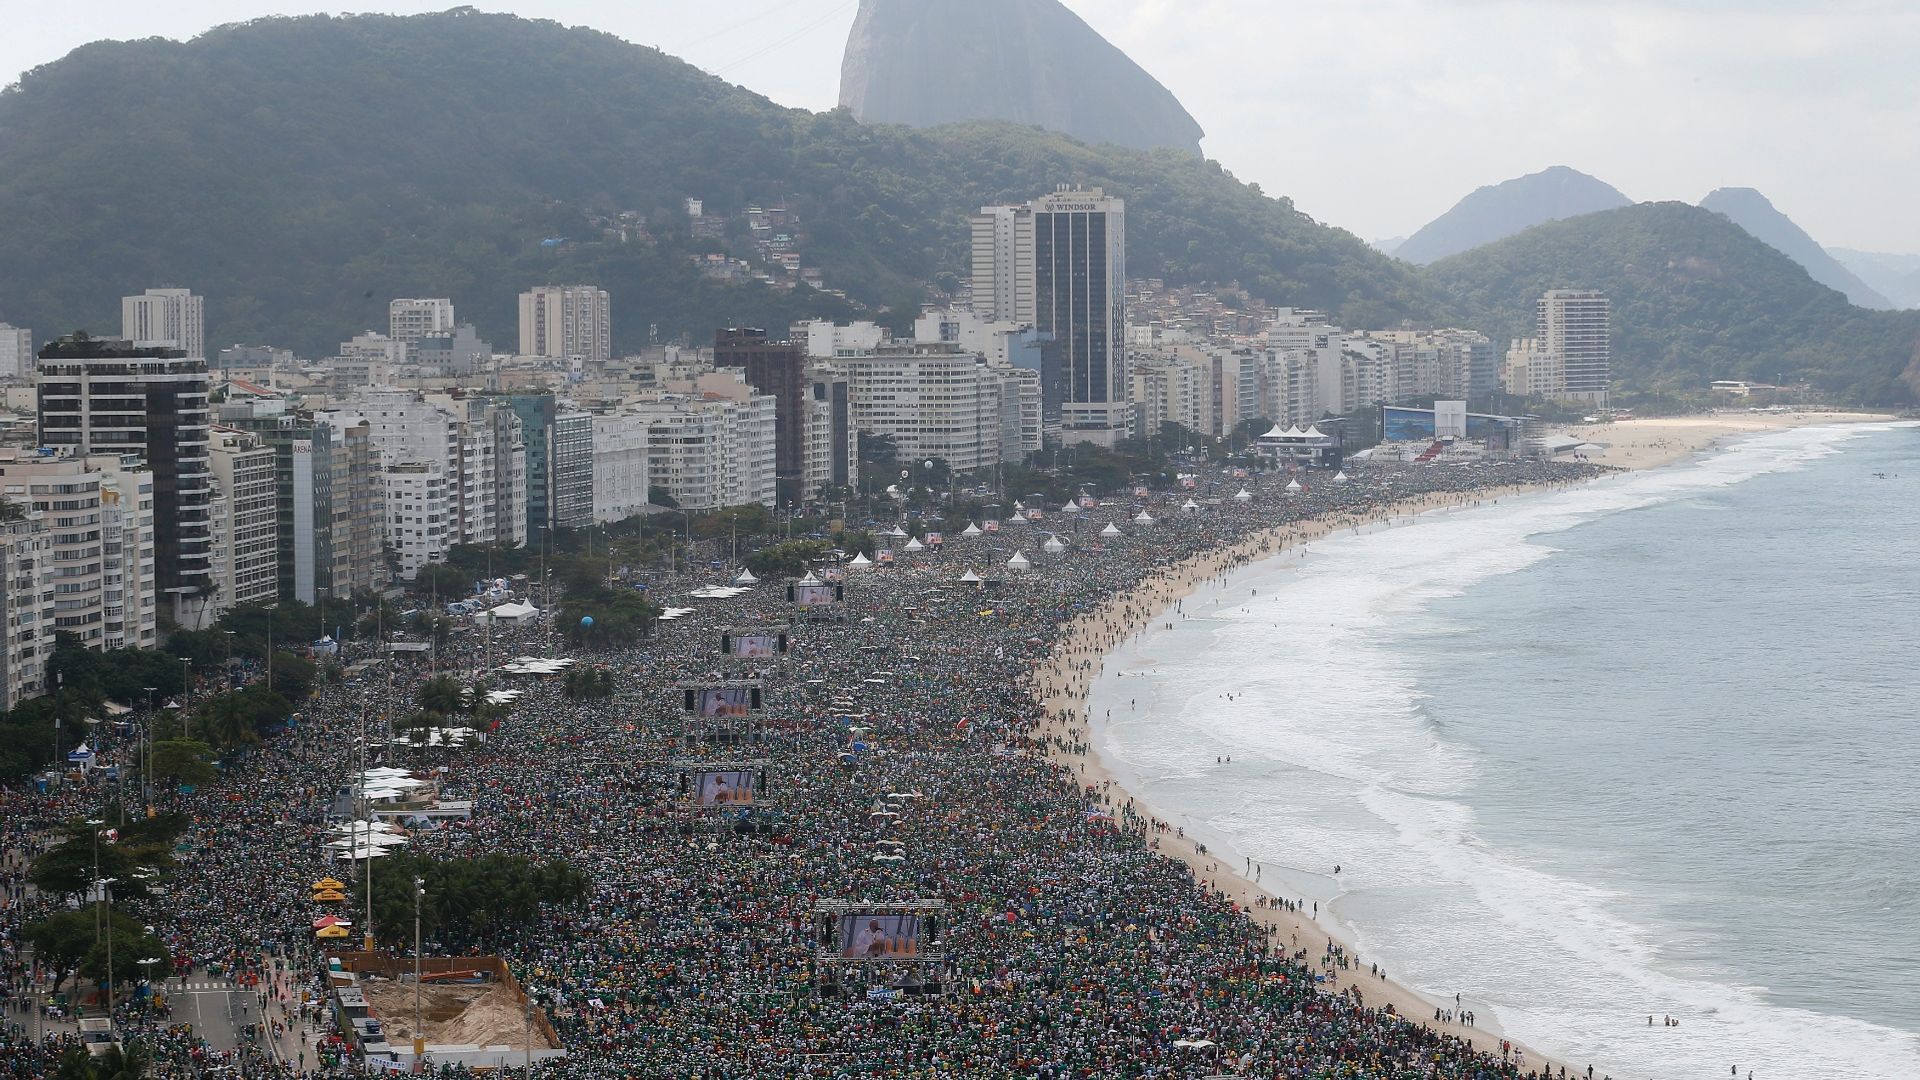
(1375, 115)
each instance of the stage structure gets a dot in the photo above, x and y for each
(880, 949)
(733, 793)
(722, 714)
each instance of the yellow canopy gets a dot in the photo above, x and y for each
(331, 932)
(328, 883)
(325, 896)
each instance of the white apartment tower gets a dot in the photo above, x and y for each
(1060, 263)
(25, 580)
(562, 321)
(16, 352)
(247, 570)
(410, 319)
(173, 318)
(1575, 327)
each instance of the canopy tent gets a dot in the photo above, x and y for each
(746, 577)
(896, 532)
(535, 665)
(1243, 496)
(719, 592)
(915, 545)
(1071, 507)
(1340, 477)
(1017, 519)
(861, 560)
(970, 578)
(1053, 546)
(1110, 531)
(970, 530)
(513, 611)
(1190, 506)
(1143, 518)
(1019, 562)
(1293, 487)
(672, 613)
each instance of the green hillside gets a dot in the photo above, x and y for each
(298, 173)
(1695, 298)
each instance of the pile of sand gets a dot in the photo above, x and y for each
(453, 1014)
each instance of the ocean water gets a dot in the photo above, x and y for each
(1649, 746)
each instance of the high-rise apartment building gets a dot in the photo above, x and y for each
(247, 570)
(620, 450)
(456, 435)
(935, 401)
(709, 452)
(97, 511)
(417, 513)
(1575, 326)
(410, 319)
(563, 321)
(779, 370)
(25, 582)
(16, 352)
(833, 440)
(329, 498)
(173, 318)
(1067, 251)
(114, 397)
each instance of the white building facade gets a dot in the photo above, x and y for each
(173, 318)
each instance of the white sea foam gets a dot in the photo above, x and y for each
(1335, 759)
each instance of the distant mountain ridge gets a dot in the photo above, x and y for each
(1896, 277)
(1695, 298)
(924, 63)
(1501, 210)
(1752, 211)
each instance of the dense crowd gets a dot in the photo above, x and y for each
(905, 746)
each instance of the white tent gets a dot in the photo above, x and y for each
(970, 530)
(1293, 487)
(970, 578)
(746, 577)
(1018, 505)
(1190, 506)
(897, 531)
(809, 579)
(1110, 531)
(1143, 518)
(1243, 496)
(915, 545)
(1019, 562)
(1071, 507)
(515, 611)
(861, 560)
(1017, 520)
(1053, 546)
(1340, 477)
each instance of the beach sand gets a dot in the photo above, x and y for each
(1062, 685)
(1662, 440)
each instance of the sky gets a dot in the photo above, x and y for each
(1373, 115)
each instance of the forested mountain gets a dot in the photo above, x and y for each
(1753, 212)
(1896, 277)
(1695, 298)
(300, 172)
(1500, 210)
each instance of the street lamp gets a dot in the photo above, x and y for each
(419, 1036)
(186, 691)
(146, 761)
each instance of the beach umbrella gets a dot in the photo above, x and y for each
(1111, 530)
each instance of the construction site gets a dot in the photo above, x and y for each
(472, 1011)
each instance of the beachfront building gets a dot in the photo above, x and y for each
(1575, 328)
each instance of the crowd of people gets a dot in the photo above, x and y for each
(910, 754)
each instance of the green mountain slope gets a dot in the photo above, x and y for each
(1695, 298)
(1500, 210)
(298, 173)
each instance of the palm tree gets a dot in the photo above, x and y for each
(442, 694)
(227, 722)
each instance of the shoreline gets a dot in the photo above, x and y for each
(1063, 687)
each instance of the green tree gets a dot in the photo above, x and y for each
(183, 761)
